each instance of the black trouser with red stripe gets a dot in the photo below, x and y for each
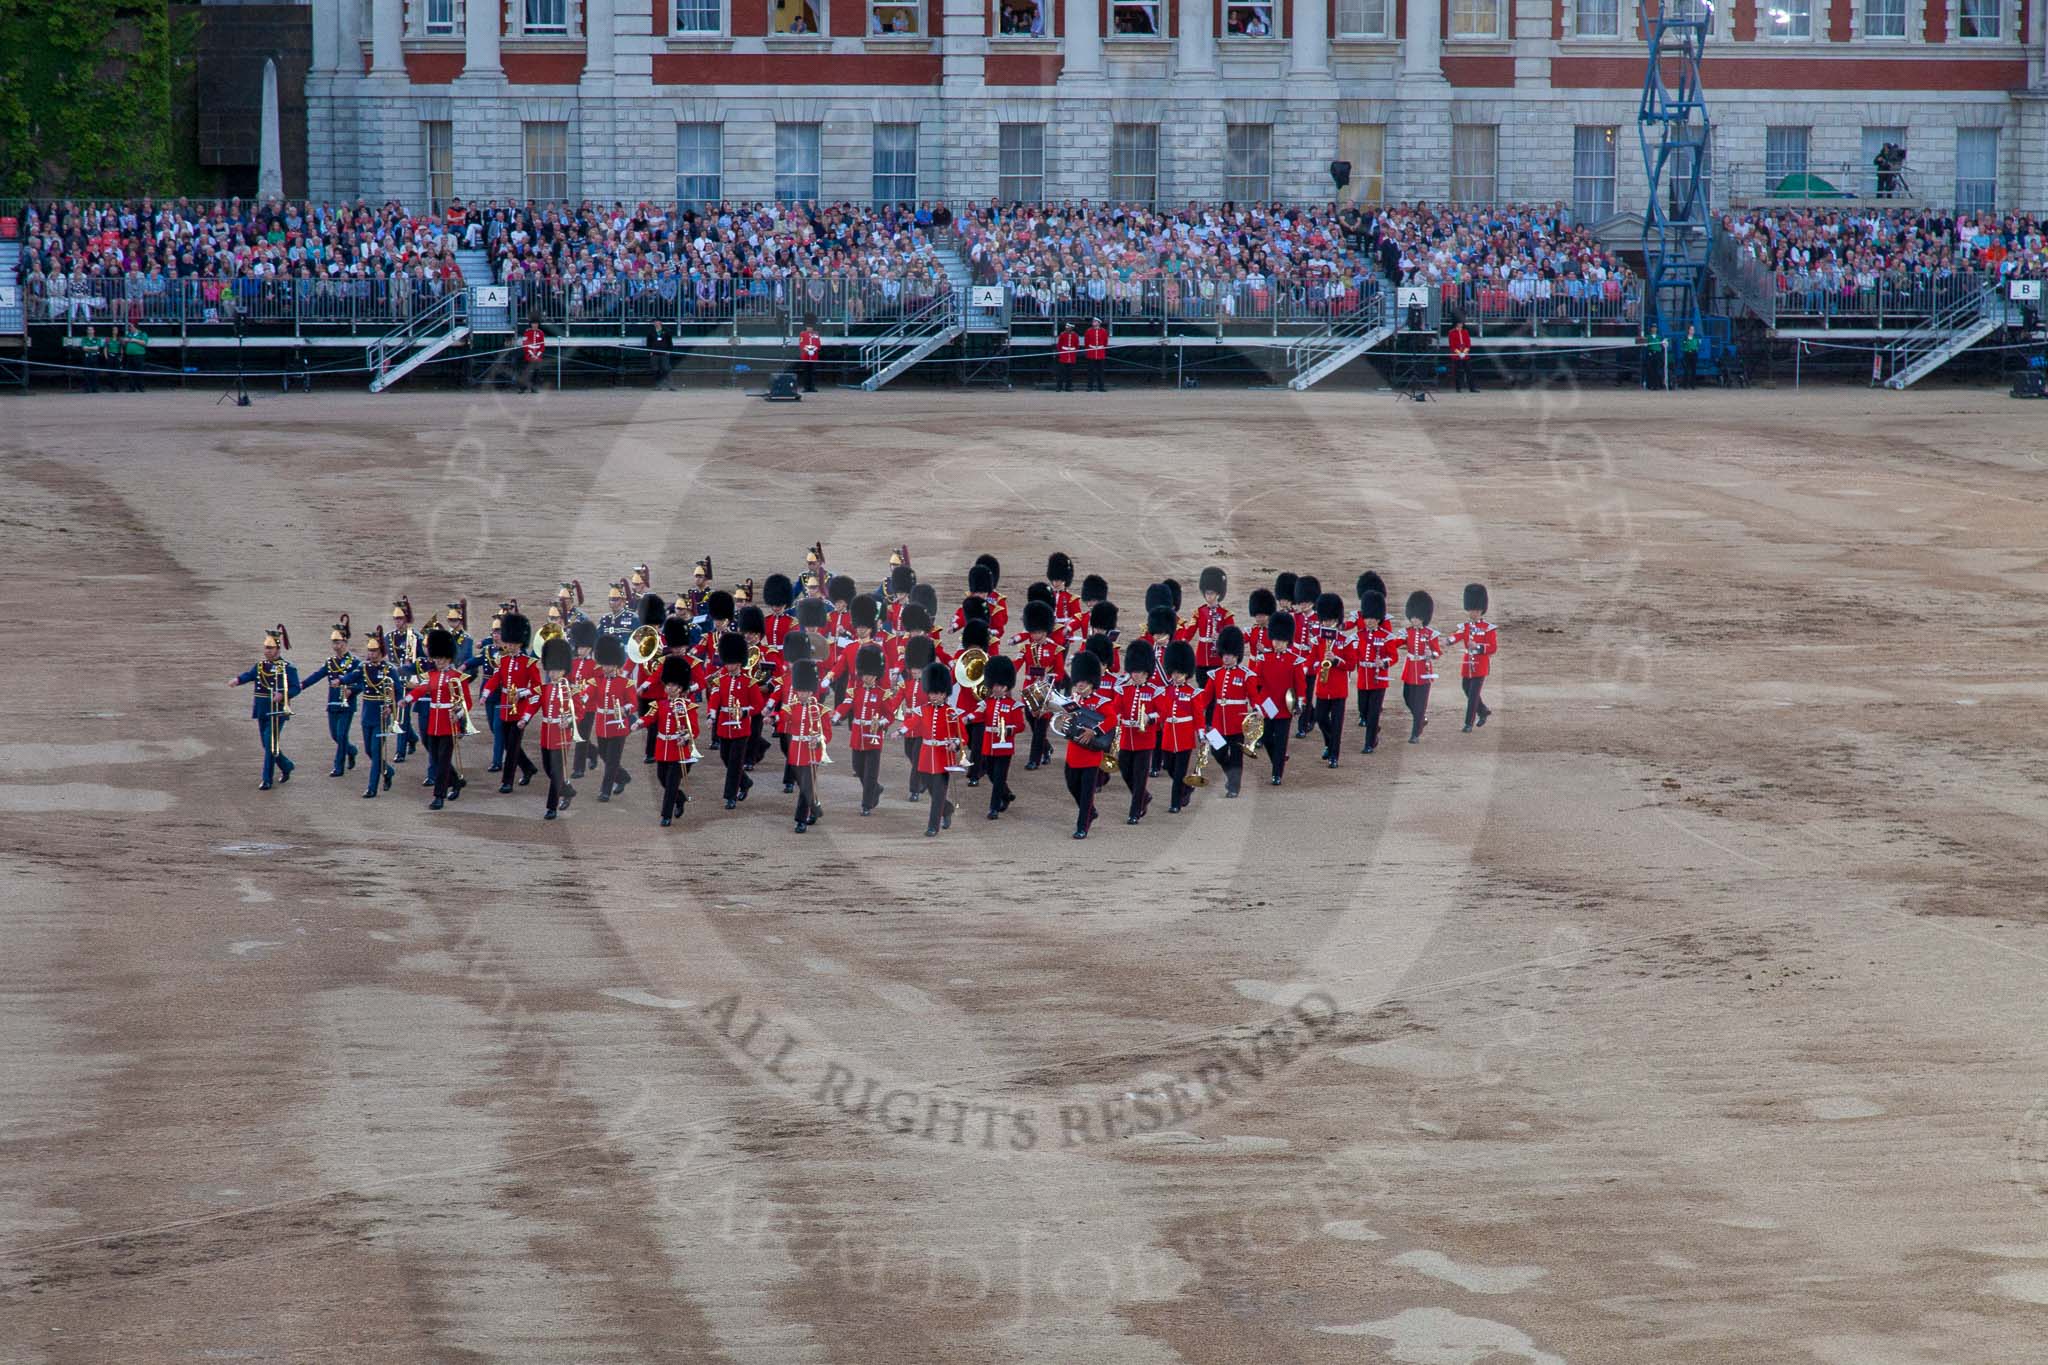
(935, 785)
(1474, 708)
(1330, 720)
(912, 746)
(515, 750)
(441, 755)
(1177, 764)
(1275, 743)
(672, 798)
(1081, 783)
(867, 766)
(1136, 767)
(559, 789)
(1231, 759)
(997, 766)
(1416, 695)
(1370, 702)
(734, 754)
(806, 793)
(1041, 741)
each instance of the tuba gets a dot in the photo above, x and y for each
(1254, 727)
(759, 666)
(550, 631)
(643, 646)
(968, 669)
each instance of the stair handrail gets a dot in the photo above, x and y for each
(447, 315)
(914, 328)
(1930, 335)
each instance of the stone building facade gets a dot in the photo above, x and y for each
(1171, 100)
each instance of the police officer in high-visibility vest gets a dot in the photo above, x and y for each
(809, 345)
(1069, 347)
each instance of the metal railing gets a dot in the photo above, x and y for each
(1814, 181)
(1837, 299)
(1749, 278)
(271, 305)
(437, 321)
(1940, 329)
(1228, 306)
(1545, 308)
(937, 316)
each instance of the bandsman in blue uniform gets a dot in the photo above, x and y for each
(569, 602)
(277, 682)
(402, 650)
(481, 667)
(376, 683)
(341, 703)
(620, 620)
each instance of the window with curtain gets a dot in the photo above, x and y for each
(1364, 145)
(1248, 162)
(1473, 148)
(1784, 153)
(700, 163)
(1884, 18)
(796, 18)
(895, 19)
(1980, 19)
(1249, 19)
(1786, 18)
(440, 18)
(1135, 19)
(1592, 173)
(1598, 18)
(1134, 163)
(1361, 18)
(697, 17)
(437, 145)
(797, 163)
(1976, 169)
(1020, 162)
(547, 160)
(1475, 18)
(895, 163)
(1023, 19)
(546, 16)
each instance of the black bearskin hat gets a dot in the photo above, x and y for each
(1001, 672)
(1180, 658)
(1059, 567)
(915, 619)
(803, 676)
(1102, 617)
(865, 611)
(675, 632)
(611, 651)
(440, 644)
(752, 620)
(918, 651)
(1420, 607)
(555, 655)
(1283, 587)
(1038, 616)
(938, 679)
(813, 612)
(840, 588)
(926, 596)
(1475, 597)
(1095, 588)
(1214, 580)
(974, 635)
(1158, 595)
(981, 578)
(1139, 660)
(800, 646)
(1261, 603)
(1329, 607)
(718, 605)
(1161, 621)
(583, 634)
(867, 661)
(1307, 588)
(1102, 649)
(1085, 668)
(515, 630)
(1281, 628)
(1230, 640)
(675, 671)
(1040, 591)
(1373, 606)
(1172, 586)
(732, 648)
(652, 609)
(1371, 582)
(902, 579)
(994, 567)
(777, 590)
(973, 609)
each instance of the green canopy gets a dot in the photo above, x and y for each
(1805, 185)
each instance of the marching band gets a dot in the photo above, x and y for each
(713, 669)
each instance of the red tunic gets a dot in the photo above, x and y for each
(515, 680)
(1096, 339)
(612, 704)
(733, 699)
(1138, 715)
(556, 707)
(1180, 713)
(1256, 642)
(675, 728)
(938, 728)
(998, 617)
(1070, 346)
(1228, 699)
(870, 709)
(1374, 662)
(1341, 652)
(1419, 649)
(1040, 656)
(808, 343)
(442, 686)
(1478, 640)
(1209, 622)
(1275, 676)
(808, 723)
(1080, 756)
(776, 628)
(1002, 718)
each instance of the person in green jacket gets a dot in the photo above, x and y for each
(1654, 376)
(136, 347)
(91, 352)
(1689, 353)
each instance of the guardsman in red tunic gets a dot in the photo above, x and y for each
(1210, 620)
(1041, 655)
(1093, 597)
(806, 721)
(1096, 342)
(1001, 719)
(1137, 732)
(583, 675)
(1180, 721)
(1059, 576)
(1307, 588)
(731, 704)
(753, 631)
(533, 348)
(718, 610)
(916, 656)
(611, 707)
(671, 717)
(800, 648)
(445, 689)
(653, 612)
(809, 346)
(1276, 676)
(869, 711)
(516, 680)
(1332, 658)
(1226, 701)
(841, 591)
(1477, 639)
(777, 595)
(1087, 744)
(1259, 611)
(1418, 647)
(998, 605)
(896, 593)
(941, 734)
(554, 707)
(1370, 633)
(1460, 342)
(1069, 347)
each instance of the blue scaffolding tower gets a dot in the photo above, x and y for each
(1677, 137)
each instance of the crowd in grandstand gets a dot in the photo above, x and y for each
(1827, 260)
(1508, 258)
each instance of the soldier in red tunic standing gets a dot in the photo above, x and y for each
(1477, 639)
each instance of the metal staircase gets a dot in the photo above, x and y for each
(1315, 358)
(916, 337)
(13, 304)
(404, 349)
(1945, 336)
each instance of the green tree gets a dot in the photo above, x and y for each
(85, 97)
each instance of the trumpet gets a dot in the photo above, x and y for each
(643, 646)
(458, 703)
(968, 670)
(1197, 778)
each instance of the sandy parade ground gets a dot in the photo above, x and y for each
(1689, 1012)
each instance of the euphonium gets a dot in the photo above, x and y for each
(548, 632)
(643, 646)
(968, 670)
(1254, 727)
